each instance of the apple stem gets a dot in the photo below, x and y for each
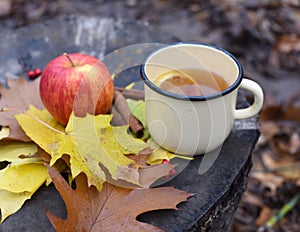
(33, 117)
(69, 58)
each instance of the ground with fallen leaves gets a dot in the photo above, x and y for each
(265, 36)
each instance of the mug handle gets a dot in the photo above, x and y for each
(254, 109)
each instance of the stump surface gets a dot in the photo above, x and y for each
(217, 179)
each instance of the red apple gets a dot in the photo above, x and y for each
(76, 82)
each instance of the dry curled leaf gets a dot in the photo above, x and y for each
(112, 209)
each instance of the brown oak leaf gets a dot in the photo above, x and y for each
(112, 209)
(20, 95)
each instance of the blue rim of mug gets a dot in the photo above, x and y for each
(154, 87)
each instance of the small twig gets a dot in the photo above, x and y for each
(120, 104)
(131, 93)
(281, 214)
(117, 119)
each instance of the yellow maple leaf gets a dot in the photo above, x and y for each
(20, 179)
(91, 142)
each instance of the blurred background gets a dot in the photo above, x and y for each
(265, 36)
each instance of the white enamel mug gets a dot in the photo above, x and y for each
(190, 125)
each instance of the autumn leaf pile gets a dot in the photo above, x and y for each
(102, 159)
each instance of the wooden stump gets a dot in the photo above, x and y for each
(218, 179)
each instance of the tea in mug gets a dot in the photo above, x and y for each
(191, 82)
